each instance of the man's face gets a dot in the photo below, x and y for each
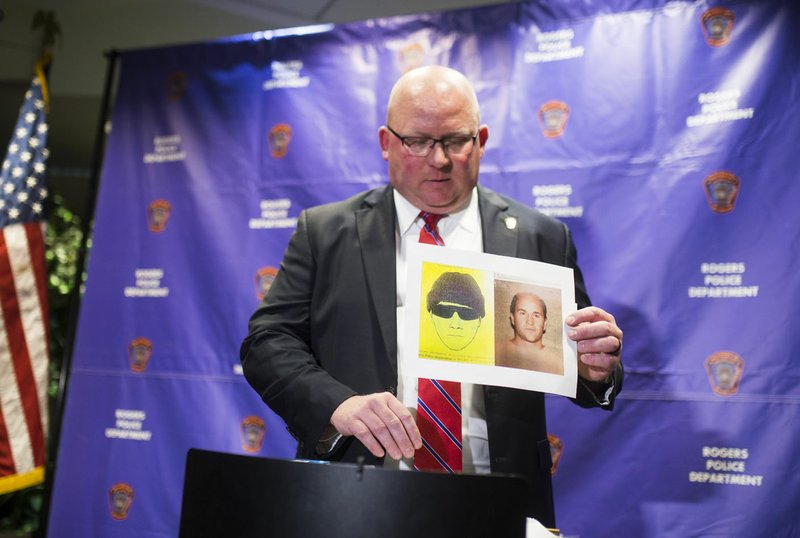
(528, 319)
(438, 182)
(455, 324)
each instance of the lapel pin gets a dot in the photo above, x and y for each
(511, 222)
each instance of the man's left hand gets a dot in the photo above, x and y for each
(599, 342)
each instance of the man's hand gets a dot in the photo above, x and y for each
(599, 342)
(381, 422)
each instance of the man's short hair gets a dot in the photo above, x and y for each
(536, 297)
(458, 288)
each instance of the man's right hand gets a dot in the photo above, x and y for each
(381, 422)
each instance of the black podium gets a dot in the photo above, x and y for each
(227, 495)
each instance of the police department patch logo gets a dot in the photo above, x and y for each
(717, 24)
(724, 369)
(556, 448)
(279, 137)
(120, 499)
(553, 116)
(721, 189)
(176, 85)
(411, 56)
(139, 352)
(264, 278)
(252, 430)
(157, 214)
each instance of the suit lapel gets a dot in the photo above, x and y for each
(375, 224)
(500, 227)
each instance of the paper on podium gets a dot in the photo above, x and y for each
(534, 529)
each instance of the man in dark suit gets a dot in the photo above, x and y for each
(322, 348)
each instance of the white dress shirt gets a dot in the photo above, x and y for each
(461, 230)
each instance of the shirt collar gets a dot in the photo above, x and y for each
(468, 218)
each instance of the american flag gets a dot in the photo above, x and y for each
(23, 297)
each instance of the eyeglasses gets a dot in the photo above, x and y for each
(421, 146)
(446, 311)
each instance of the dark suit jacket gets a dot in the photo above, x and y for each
(327, 328)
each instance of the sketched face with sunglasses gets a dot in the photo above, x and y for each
(456, 306)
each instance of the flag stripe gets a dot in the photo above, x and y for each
(7, 394)
(36, 239)
(34, 374)
(16, 283)
(29, 274)
(19, 453)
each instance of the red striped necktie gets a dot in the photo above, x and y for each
(438, 402)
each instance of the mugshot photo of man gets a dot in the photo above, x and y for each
(527, 348)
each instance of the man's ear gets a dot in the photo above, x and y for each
(383, 140)
(483, 136)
